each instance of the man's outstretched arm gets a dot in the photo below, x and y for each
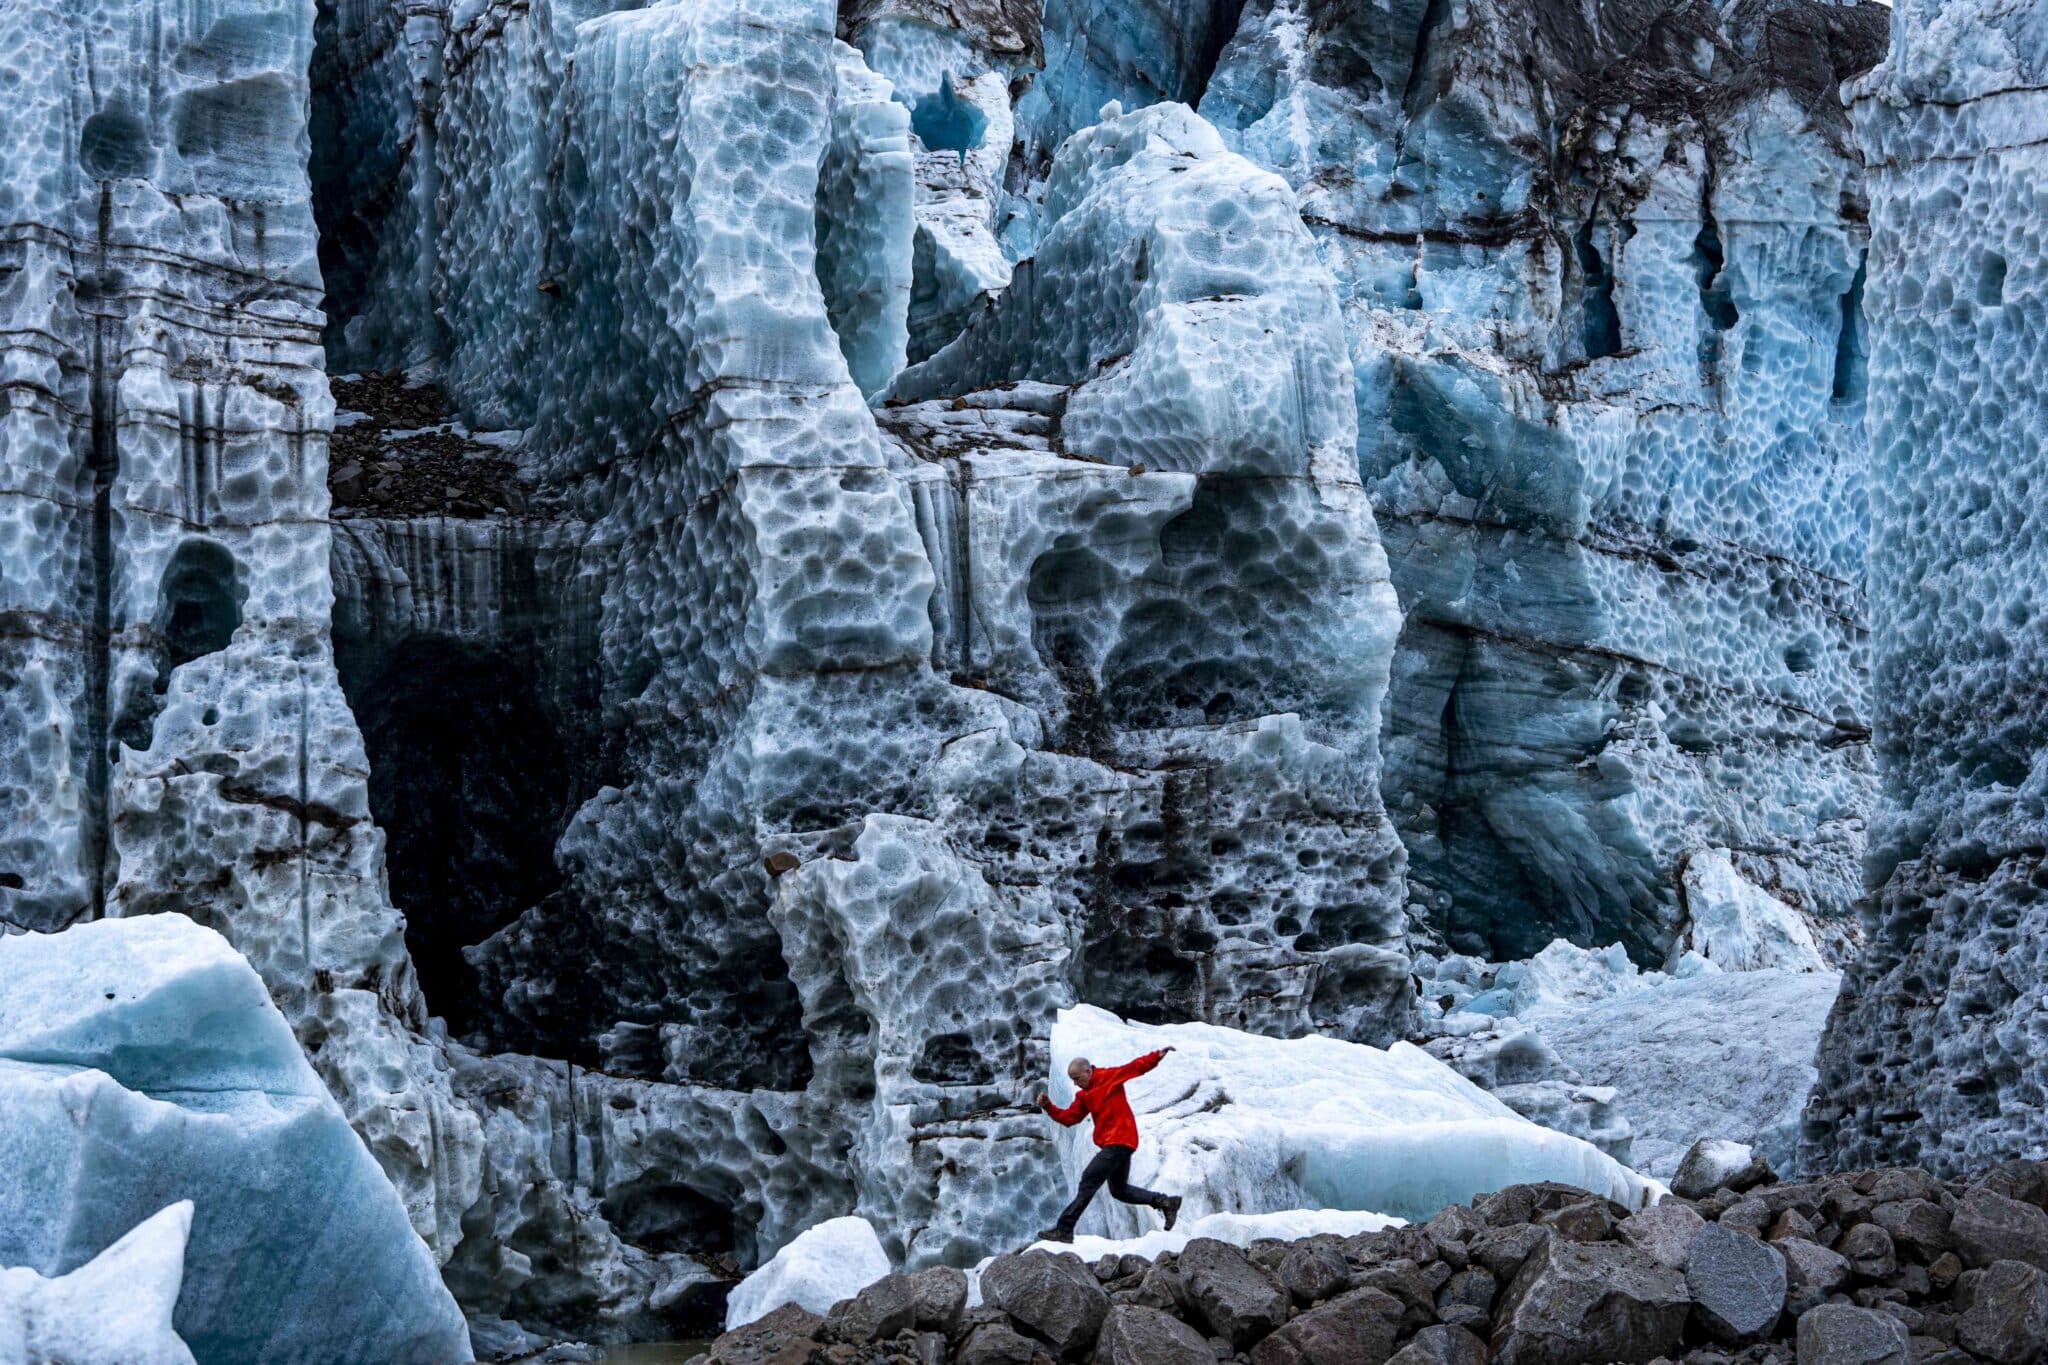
(1064, 1115)
(1136, 1067)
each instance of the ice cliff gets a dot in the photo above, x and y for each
(680, 579)
(1932, 1054)
(1600, 268)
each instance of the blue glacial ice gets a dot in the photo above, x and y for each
(113, 1310)
(142, 1063)
(1933, 1055)
(1193, 508)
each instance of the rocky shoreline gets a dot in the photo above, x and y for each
(1877, 1267)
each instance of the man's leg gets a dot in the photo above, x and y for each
(1120, 1186)
(1092, 1176)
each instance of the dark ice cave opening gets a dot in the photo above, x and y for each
(1991, 281)
(1600, 323)
(1224, 19)
(356, 159)
(199, 604)
(661, 1215)
(1852, 350)
(946, 123)
(114, 145)
(471, 785)
(1716, 299)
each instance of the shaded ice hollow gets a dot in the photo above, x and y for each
(1932, 1055)
(1321, 517)
(1609, 418)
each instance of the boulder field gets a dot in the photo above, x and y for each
(1878, 1267)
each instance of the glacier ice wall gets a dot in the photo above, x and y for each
(1932, 1055)
(1178, 322)
(174, 735)
(854, 709)
(1600, 269)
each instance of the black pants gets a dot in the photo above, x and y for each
(1111, 1164)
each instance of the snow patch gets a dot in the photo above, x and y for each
(832, 1261)
(1242, 1124)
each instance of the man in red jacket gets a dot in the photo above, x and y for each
(1100, 1092)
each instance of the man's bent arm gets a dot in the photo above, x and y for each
(1066, 1116)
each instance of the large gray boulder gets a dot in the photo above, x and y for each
(1870, 1251)
(940, 1295)
(1737, 1285)
(1665, 1231)
(2007, 1321)
(1843, 1334)
(1239, 1301)
(786, 1336)
(1919, 1227)
(995, 1343)
(1503, 1251)
(1574, 1302)
(1442, 1346)
(1988, 1227)
(1053, 1298)
(1716, 1163)
(1314, 1271)
(1359, 1328)
(876, 1313)
(1809, 1265)
(1135, 1335)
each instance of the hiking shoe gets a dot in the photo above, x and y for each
(1057, 1235)
(1171, 1208)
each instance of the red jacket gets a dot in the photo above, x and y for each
(1104, 1098)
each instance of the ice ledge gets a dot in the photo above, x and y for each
(159, 1003)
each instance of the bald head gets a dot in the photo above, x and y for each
(1081, 1071)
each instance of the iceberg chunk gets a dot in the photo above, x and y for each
(1233, 1122)
(113, 1310)
(834, 1260)
(142, 1063)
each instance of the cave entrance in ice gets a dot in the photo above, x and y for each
(946, 123)
(114, 145)
(199, 603)
(471, 785)
(1600, 322)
